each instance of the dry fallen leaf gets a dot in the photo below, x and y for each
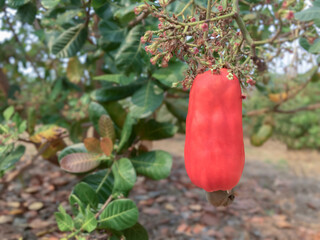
(39, 223)
(35, 206)
(5, 219)
(198, 228)
(181, 228)
(195, 207)
(151, 211)
(169, 207)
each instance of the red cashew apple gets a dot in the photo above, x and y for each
(214, 150)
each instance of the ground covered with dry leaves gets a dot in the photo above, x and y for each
(278, 197)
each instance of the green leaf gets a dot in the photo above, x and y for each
(86, 194)
(304, 43)
(22, 126)
(126, 14)
(177, 6)
(308, 14)
(117, 113)
(74, 70)
(114, 93)
(77, 207)
(76, 148)
(316, 3)
(119, 215)
(17, 3)
(171, 74)
(102, 9)
(124, 175)
(67, 16)
(76, 131)
(153, 130)
(224, 4)
(102, 182)
(178, 107)
(136, 232)
(80, 162)
(64, 221)
(7, 114)
(116, 78)
(126, 131)
(112, 32)
(10, 159)
(315, 47)
(317, 22)
(146, 100)
(70, 41)
(50, 3)
(129, 57)
(155, 164)
(96, 110)
(90, 222)
(27, 12)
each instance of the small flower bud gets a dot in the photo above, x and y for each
(290, 15)
(193, 19)
(154, 59)
(152, 48)
(164, 63)
(137, 10)
(284, 4)
(142, 40)
(251, 82)
(167, 57)
(243, 96)
(195, 50)
(205, 27)
(220, 8)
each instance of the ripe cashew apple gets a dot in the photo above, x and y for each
(214, 150)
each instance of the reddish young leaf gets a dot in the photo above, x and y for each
(79, 162)
(92, 145)
(106, 145)
(106, 128)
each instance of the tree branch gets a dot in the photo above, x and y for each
(139, 18)
(277, 110)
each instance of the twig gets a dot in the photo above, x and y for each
(104, 206)
(139, 18)
(305, 108)
(270, 40)
(277, 110)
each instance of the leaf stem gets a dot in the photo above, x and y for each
(185, 8)
(104, 206)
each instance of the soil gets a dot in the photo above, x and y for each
(278, 197)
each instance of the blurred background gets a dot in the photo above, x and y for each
(62, 62)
